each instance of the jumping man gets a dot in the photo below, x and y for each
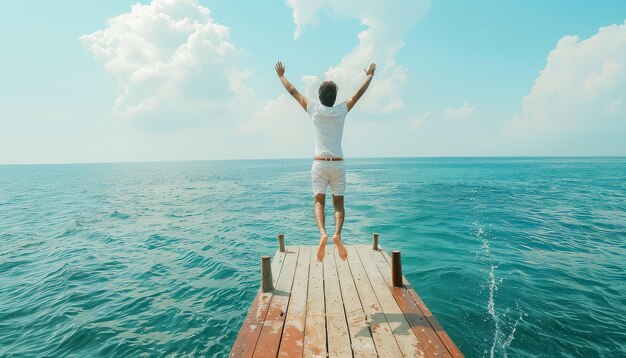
(328, 166)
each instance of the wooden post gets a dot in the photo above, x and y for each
(281, 242)
(266, 274)
(375, 242)
(396, 269)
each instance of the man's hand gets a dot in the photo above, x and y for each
(369, 71)
(280, 69)
(354, 99)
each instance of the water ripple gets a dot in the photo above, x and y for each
(516, 257)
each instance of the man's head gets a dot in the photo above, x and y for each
(328, 93)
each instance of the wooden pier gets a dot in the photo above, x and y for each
(336, 308)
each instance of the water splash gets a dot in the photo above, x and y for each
(509, 339)
(500, 341)
(491, 308)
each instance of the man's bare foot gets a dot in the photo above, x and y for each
(321, 250)
(343, 253)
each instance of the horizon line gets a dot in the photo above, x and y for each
(310, 158)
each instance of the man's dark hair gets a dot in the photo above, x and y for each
(328, 93)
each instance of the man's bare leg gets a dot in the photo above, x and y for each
(318, 208)
(339, 216)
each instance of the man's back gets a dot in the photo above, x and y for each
(328, 167)
(327, 128)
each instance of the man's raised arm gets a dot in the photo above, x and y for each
(280, 71)
(354, 99)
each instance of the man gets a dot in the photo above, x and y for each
(328, 167)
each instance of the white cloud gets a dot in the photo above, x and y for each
(616, 107)
(283, 123)
(169, 57)
(582, 85)
(460, 113)
(419, 121)
(387, 23)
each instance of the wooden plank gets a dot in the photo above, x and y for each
(407, 341)
(269, 339)
(336, 326)
(432, 344)
(443, 335)
(292, 343)
(447, 341)
(360, 335)
(385, 342)
(342, 304)
(315, 323)
(251, 328)
(277, 265)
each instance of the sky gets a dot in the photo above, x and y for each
(124, 81)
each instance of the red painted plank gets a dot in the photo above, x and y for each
(292, 343)
(251, 329)
(447, 341)
(430, 341)
(271, 333)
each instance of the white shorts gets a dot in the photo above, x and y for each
(324, 173)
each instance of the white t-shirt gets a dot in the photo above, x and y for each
(327, 128)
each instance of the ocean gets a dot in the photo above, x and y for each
(516, 257)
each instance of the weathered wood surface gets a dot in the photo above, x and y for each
(359, 330)
(251, 328)
(408, 343)
(336, 325)
(272, 330)
(315, 322)
(339, 308)
(382, 332)
(292, 343)
(441, 333)
(430, 342)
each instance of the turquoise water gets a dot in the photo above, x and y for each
(516, 257)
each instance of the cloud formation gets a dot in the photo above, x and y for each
(460, 113)
(168, 56)
(583, 84)
(282, 122)
(379, 42)
(417, 122)
(279, 120)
